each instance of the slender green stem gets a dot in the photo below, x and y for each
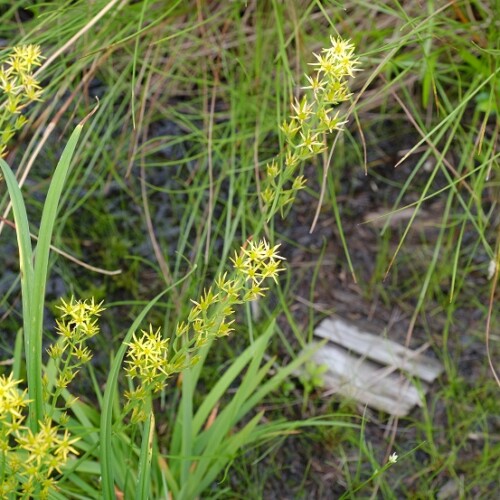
(143, 481)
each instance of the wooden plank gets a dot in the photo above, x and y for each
(366, 382)
(379, 349)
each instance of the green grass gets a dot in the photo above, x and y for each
(163, 188)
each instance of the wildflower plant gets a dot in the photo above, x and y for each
(77, 324)
(29, 461)
(313, 117)
(18, 88)
(211, 317)
(39, 436)
(36, 443)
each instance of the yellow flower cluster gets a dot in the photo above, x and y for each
(148, 356)
(12, 404)
(147, 360)
(211, 316)
(18, 88)
(28, 460)
(312, 118)
(77, 324)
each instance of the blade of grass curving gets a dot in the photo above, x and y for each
(26, 269)
(106, 451)
(216, 436)
(229, 418)
(144, 479)
(23, 233)
(225, 381)
(214, 443)
(49, 214)
(277, 379)
(108, 399)
(18, 353)
(224, 455)
(253, 434)
(197, 440)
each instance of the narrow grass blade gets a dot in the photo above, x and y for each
(106, 423)
(26, 267)
(106, 452)
(22, 231)
(144, 479)
(186, 410)
(226, 380)
(18, 354)
(211, 445)
(49, 214)
(224, 455)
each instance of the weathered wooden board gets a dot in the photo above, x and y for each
(373, 370)
(379, 349)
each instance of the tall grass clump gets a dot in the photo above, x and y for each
(55, 444)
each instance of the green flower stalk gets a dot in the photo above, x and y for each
(149, 359)
(30, 461)
(312, 118)
(77, 324)
(18, 88)
(211, 316)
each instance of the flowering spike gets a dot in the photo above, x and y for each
(310, 121)
(18, 88)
